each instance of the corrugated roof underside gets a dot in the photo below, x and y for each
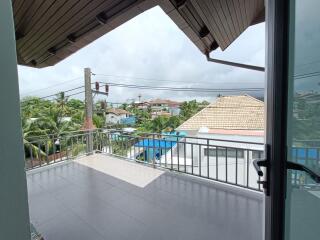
(49, 31)
(227, 19)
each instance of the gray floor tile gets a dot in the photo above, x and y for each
(72, 201)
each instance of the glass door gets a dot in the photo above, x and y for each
(302, 211)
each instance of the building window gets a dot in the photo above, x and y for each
(232, 152)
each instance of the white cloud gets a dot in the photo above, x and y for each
(152, 46)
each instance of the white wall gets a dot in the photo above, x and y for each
(113, 118)
(192, 150)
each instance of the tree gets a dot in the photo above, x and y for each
(98, 121)
(124, 106)
(47, 117)
(75, 104)
(159, 124)
(173, 122)
(188, 109)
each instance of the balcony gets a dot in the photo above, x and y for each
(129, 190)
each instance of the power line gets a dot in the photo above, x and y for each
(185, 89)
(55, 85)
(73, 94)
(148, 79)
(69, 90)
(55, 94)
(138, 78)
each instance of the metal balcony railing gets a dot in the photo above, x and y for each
(49, 149)
(216, 159)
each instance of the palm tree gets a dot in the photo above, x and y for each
(159, 124)
(32, 148)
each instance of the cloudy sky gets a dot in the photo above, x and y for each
(151, 50)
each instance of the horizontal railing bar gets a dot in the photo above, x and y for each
(199, 138)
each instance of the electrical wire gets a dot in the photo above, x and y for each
(148, 79)
(139, 78)
(55, 85)
(185, 89)
(53, 95)
(73, 94)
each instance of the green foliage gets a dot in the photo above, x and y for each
(99, 121)
(120, 146)
(78, 149)
(144, 123)
(124, 106)
(188, 109)
(159, 124)
(43, 117)
(47, 119)
(75, 104)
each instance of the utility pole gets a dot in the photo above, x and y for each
(88, 123)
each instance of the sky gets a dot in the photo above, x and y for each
(151, 50)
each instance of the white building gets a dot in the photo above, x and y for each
(160, 105)
(114, 115)
(225, 137)
(159, 113)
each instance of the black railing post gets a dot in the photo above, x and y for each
(247, 167)
(259, 178)
(178, 154)
(153, 152)
(192, 158)
(199, 160)
(31, 154)
(148, 151)
(226, 164)
(67, 149)
(54, 149)
(47, 152)
(171, 153)
(208, 157)
(39, 154)
(71, 139)
(236, 167)
(185, 157)
(217, 162)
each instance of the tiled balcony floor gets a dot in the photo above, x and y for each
(73, 201)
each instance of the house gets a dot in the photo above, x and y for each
(228, 131)
(141, 105)
(116, 115)
(160, 113)
(229, 118)
(158, 105)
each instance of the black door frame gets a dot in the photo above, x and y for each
(276, 115)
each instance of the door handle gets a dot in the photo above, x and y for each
(300, 167)
(258, 163)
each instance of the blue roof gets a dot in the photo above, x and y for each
(157, 143)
